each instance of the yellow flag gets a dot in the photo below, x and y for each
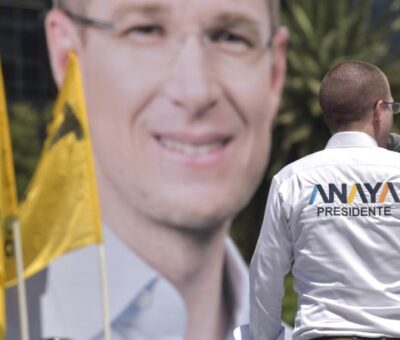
(8, 195)
(61, 211)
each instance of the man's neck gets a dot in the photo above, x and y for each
(193, 261)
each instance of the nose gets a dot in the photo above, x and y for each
(190, 82)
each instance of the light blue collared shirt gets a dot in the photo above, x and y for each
(64, 300)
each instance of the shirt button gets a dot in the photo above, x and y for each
(144, 300)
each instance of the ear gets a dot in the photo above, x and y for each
(61, 36)
(376, 123)
(280, 43)
(377, 116)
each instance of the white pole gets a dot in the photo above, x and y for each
(104, 292)
(23, 306)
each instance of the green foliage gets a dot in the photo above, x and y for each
(289, 304)
(322, 34)
(27, 125)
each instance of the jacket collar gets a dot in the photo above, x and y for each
(351, 139)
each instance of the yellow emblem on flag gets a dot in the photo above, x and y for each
(61, 212)
(8, 195)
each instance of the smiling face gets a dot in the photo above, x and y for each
(181, 97)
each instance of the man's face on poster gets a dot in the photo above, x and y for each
(181, 95)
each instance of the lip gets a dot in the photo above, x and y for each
(194, 149)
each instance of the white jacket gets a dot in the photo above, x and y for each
(333, 218)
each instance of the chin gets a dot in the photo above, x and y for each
(202, 214)
(199, 220)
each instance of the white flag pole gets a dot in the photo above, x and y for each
(104, 292)
(23, 306)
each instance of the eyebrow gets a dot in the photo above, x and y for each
(143, 7)
(237, 20)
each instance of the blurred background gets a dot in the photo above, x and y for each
(322, 34)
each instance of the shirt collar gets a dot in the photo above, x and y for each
(128, 274)
(351, 139)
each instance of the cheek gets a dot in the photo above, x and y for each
(259, 106)
(254, 96)
(114, 78)
(262, 111)
(116, 92)
(257, 103)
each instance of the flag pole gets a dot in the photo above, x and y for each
(23, 306)
(104, 291)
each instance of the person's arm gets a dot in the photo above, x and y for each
(271, 261)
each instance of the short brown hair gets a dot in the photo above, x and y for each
(274, 10)
(77, 6)
(350, 91)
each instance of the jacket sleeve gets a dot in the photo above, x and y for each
(271, 261)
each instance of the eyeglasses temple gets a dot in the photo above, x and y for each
(89, 22)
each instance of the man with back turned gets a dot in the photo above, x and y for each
(333, 220)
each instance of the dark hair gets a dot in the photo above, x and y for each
(350, 91)
(78, 6)
(274, 10)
